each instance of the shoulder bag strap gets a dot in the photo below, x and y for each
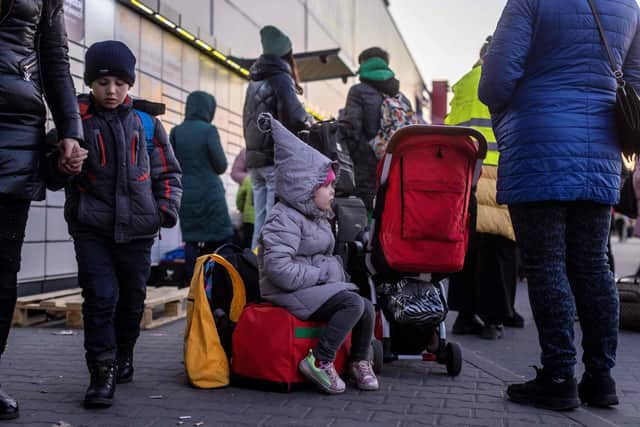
(616, 71)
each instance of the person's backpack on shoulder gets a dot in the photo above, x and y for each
(395, 113)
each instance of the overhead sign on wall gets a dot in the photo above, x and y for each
(74, 19)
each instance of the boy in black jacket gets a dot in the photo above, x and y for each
(129, 187)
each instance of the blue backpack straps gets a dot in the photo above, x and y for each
(149, 126)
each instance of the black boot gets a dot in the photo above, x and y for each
(8, 407)
(516, 321)
(598, 389)
(467, 324)
(547, 392)
(103, 384)
(491, 331)
(124, 364)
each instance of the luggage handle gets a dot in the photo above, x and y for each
(443, 130)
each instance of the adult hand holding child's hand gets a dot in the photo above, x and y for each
(72, 156)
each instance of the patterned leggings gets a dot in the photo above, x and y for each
(564, 250)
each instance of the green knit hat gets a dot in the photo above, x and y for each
(274, 41)
(375, 69)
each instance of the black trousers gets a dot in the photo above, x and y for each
(487, 283)
(496, 277)
(13, 221)
(113, 279)
(462, 294)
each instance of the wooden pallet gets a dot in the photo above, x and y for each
(162, 305)
(32, 309)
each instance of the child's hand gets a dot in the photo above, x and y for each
(71, 156)
(72, 163)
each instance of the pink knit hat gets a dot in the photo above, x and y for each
(331, 176)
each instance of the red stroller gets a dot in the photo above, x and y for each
(421, 228)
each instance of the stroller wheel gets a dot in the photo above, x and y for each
(377, 356)
(454, 359)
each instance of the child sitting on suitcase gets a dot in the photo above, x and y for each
(298, 270)
(128, 188)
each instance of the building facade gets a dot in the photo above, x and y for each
(170, 65)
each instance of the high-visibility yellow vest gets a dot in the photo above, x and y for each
(468, 110)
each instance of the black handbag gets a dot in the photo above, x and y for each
(627, 102)
(412, 301)
(628, 204)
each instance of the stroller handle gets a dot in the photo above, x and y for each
(441, 130)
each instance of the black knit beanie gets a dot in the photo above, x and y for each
(109, 58)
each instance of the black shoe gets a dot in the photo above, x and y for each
(598, 389)
(467, 324)
(103, 384)
(492, 332)
(124, 365)
(516, 321)
(8, 407)
(546, 392)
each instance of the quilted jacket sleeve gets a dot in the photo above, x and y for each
(353, 113)
(166, 177)
(504, 63)
(280, 242)
(291, 113)
(56, 76)
(216, 154)
(631, 67)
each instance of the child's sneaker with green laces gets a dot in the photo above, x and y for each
(322, 374)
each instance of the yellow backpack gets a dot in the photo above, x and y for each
(205, 361)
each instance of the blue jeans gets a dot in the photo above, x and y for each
(264, 196)
(113, 279)
(564, 251)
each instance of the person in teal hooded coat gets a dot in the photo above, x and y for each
(204, 217)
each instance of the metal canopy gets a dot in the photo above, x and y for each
(314, 66)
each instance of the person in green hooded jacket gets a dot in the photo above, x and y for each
(204, 217)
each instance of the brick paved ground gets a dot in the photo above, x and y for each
(46, 372)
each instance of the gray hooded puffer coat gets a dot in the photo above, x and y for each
(298, 270)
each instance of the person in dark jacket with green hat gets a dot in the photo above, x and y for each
(204, 216)
(274, 89)
(362, 111)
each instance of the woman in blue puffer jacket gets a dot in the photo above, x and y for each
(551, 92)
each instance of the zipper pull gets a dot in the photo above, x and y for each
(26, 74)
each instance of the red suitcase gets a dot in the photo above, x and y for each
(269, 343)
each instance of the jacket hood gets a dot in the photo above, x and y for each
(299, 168)
(267, 66)
(389, 87)
(200, 106)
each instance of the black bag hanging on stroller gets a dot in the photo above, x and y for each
(412, 301)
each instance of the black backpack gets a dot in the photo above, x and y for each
(246, 263)
(328, 137)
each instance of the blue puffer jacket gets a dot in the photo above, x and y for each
(551, 92)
